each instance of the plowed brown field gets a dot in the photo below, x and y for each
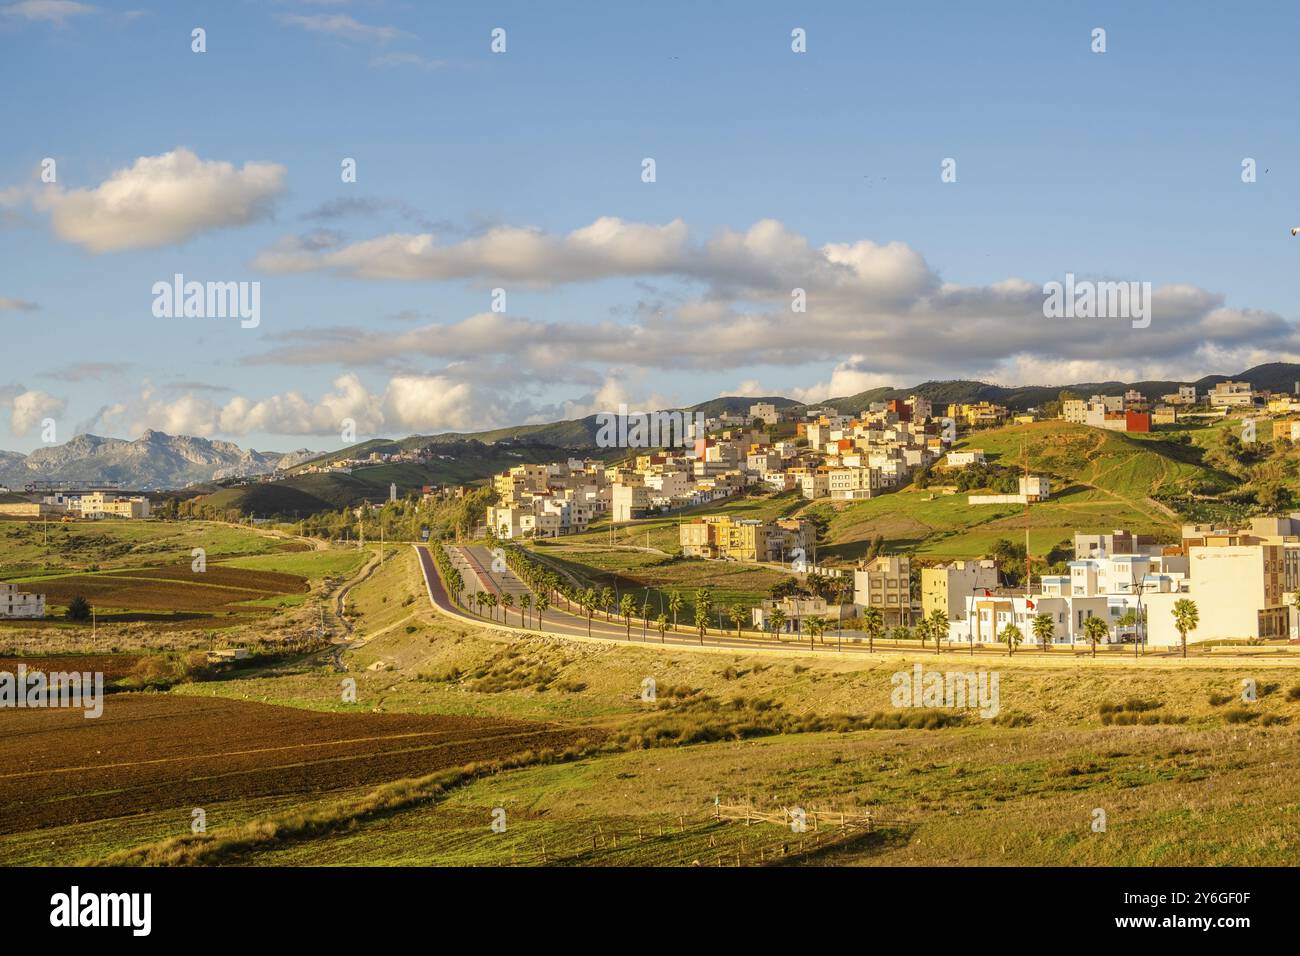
(151, 751)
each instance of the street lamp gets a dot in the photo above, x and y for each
(970, 631)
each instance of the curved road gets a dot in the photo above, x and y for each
(475, 564)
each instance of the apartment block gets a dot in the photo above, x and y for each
(885, 582)
(946, 587)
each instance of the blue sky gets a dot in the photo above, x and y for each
(774, 170)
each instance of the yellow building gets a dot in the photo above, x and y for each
(97, 504)
(978, 414)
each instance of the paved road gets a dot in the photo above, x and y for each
(475, 565)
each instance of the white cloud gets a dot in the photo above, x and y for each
(343, 26)
(161, 200)
(29, 407)
(607, 247)
(49, 11)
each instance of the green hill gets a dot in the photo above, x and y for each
(1132, 466)
(293, 497)
(1101, 480)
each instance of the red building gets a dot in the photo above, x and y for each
(1137, 421)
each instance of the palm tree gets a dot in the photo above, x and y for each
(661, 625)
(492, 602)
(1186, 618)
(507, 602)
(874, 622)
(922, 631)
(1043, 629)
(543, 602)
(777, 618)
(938, 627)
(1095, 629)
(589, 601)
(1011, 634)
(607, 600)
(525, 602)
(627, 607)
(674, 605)
(701, 619)
(816, 627)
(738, 613)
(703, 599)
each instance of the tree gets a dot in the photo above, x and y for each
(738, 613)
(589, 601)
(1095, 629)
(922, 631)
(777, 620)
(525, 602)
(543, 602)
(627, 607)
(661, 625)
(816, 628)
(1186, 618)
(607, 600)
(78, 609)
(492, 601)
(703, 599)
(1011, 634)
(874, 622)
(674, 605)
(938, 627)
(701, 619)
(1043, 629)
(507, 602)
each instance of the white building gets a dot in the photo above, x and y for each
(964, 459)
(16, 603)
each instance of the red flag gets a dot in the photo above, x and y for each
(1029, 604)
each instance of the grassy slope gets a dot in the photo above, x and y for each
(1192, 792)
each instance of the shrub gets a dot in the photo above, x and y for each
(78, 609)
(1240, 715)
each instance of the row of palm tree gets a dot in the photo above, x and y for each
(1187, 617)
(592, 601)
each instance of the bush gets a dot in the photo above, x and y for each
(1240, 715)
(1218, 700)
(1293, 693)
(78, 609)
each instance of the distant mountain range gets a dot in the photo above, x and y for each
(157, 461)
(153, 461)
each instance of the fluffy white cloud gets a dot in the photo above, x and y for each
(606, 247)
(28, 407)
(162, 199)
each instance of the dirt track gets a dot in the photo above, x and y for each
(154, 751)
